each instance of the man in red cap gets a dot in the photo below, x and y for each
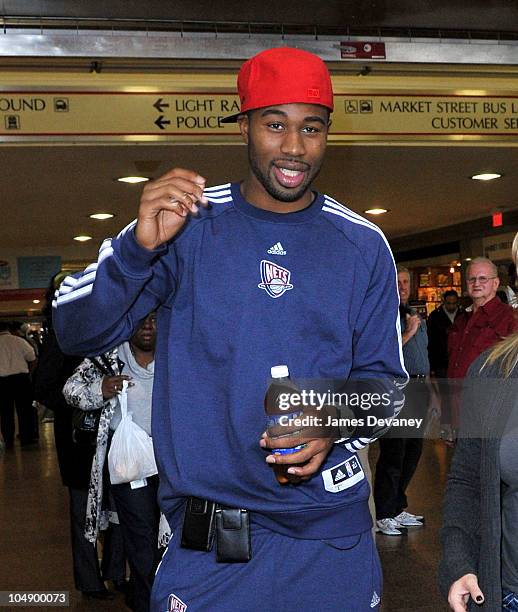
(245, 277)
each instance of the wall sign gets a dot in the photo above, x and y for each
(189, 108)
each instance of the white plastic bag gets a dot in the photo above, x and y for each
(131, 454)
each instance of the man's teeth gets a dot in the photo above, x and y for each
(289, 172)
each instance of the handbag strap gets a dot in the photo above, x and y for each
(106, 366)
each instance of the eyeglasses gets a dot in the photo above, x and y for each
(482, 280)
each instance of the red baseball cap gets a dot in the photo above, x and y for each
(283, 75)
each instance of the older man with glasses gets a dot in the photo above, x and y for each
(483, 323)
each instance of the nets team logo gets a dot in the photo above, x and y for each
(275, 279)
(175, 604)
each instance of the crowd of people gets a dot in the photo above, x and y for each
(194, 392)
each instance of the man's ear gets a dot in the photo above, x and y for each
(242, 121)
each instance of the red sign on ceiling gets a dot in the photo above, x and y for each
(497, 219)
(362, 50)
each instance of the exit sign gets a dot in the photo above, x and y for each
(498, 219)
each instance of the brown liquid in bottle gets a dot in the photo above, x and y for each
(281, 384)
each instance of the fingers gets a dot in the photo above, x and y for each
(166, 203)
(179, 199)
(474, 589)
(271, 443)
(461, 590)
(311, 448)
(178, 187)
(170, 197)
(116, 383)
(290, 458)
(304, 472)
(303, 464)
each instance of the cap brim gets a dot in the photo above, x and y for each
(231, 118)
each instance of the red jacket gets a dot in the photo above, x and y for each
(473, 332)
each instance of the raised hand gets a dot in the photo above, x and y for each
(165, 205)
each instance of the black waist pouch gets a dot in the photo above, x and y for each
(198, 524)
(205, 520)
(233, 543)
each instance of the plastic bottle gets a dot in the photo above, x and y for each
(281, 384)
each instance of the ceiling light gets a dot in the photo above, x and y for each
(458, 264)
(487, 176)
(133, 179)
(101, 216)
(468, 259)
(35, 301)
(376, 211)
(82, 238)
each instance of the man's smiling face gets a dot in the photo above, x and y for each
(286, 147)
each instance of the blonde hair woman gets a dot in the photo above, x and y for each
(479, 567)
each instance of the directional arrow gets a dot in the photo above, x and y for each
(160, 105)
(161, 122)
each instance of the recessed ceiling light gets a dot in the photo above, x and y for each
(486, 176)
(82, 238)
(101, 216)
(376, 211)
(35, 301)
(468, 259)
(133, 179)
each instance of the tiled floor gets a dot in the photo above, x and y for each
(34, 538)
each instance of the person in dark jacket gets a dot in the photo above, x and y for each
(75, 461)
(438, 325)
(479, 565)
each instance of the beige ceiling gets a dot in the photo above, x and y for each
(48, 192)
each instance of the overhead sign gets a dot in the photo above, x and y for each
(113, 113)
(498, 247)
(433, 115)
(191, 109)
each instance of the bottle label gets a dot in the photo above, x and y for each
(288, 451)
